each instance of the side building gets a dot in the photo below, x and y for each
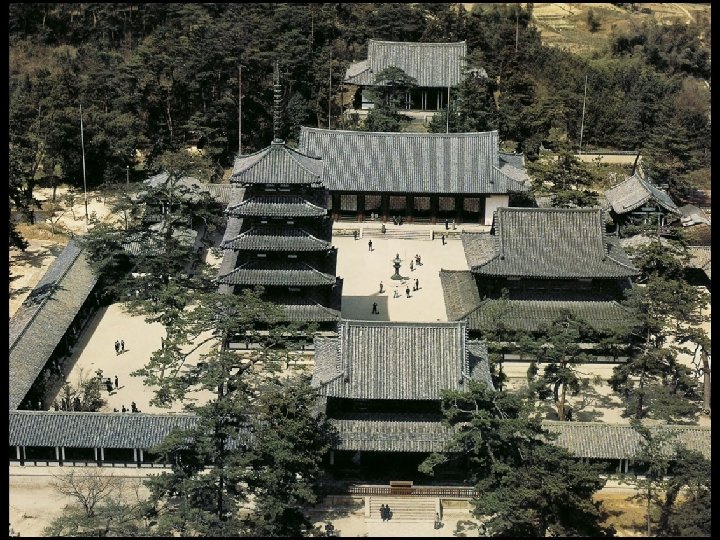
(536, 263)
(416, 176)
(434, 66)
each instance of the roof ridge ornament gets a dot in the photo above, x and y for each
(277, 104)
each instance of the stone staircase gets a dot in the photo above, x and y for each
(403, 509)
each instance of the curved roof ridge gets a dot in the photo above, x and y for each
(510, 180)
(463, 134)
(417, 42)
(294, 155)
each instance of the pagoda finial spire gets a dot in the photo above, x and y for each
(277, 109)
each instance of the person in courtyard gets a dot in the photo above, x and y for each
(369, 245)
(443, 239)
(124, 409)
(117, 347)
(382, 229)
(133, 407)
(388, 512)
(375, 309)
(453, 224)
(381, 286)
(355, 235)
(417, 284)
(396, 294)
(116, 382)
(108, 385)
(122, 346)
(446, 225)
(383, 513)
(407, 291)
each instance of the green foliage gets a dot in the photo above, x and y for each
(525, 485)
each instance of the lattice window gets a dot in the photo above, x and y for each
(373, 202)
(422, 203)
(348, 202)
(471, 204)
(447, 203)
(397, 203)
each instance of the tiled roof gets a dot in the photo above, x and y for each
(409, 162)
(700, 258)
(310, 312)
(529, 315)
(379, 360)
(93, 430)
(44, 317)
(513, 165)
(615, 441)
(222, 193)
(276, 205)
(276, 164)
(276, 239)
(460, 291)
(431, 64)
(692, 215)
(276, 273)
(547, 243)
(635, 192)
(392, 433)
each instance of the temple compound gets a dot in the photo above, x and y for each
(546, 260)
(417, 176)
(380, 385)
(434, 66)
(278, 235)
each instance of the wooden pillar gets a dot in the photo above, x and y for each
(434, 207)
(481, 209)
(335, 206)
(385, 206)
(409, 207)
(24, 456)
(96, 454)
(627, 463)
(142, 455)
(57, 455)
(360, 207)
(423, 99)
(332, 457)
(17, 451)
(102, 456)
(458, 209)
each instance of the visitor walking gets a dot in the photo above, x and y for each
(369, 245)
(383, 512)
(375, 309)
(381, 286)
(412, 268)
(117, 347)
(417, 284)
(133, 407)
(355, 235)
(382, 229)
(116, 382)
(122, 346)
(388, 513)
(124, 409)
(407, 291)
(396, 294)
(443, 239)
(446, 225)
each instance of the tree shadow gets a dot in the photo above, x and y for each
(35, 258)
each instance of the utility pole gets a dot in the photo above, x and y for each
(82, 143)
(582, 122)
(239, 110)
(517, 26)
(127, 178)
(330, 92)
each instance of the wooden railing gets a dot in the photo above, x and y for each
(413, 491)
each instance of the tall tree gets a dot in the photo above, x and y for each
(525, 486)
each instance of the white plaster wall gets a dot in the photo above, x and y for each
(492, 203)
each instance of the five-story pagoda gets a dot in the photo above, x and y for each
(279, 235)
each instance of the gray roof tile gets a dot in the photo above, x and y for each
(46, 314)
(615, 441)
(462, 163)
(93, 430)
(431, 64)
(276, 239)
(276, 206)
(390, 433)
(275, 273)
(635, 192)
(277, 164)
(411, 361)
(547, 243)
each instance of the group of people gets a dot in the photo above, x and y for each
(385, 512)
(119, 346)
(133, 408)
